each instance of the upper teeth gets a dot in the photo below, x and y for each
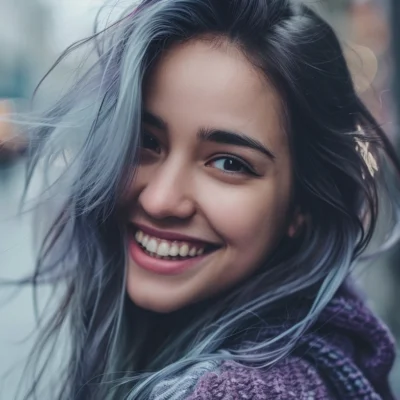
(166, 248)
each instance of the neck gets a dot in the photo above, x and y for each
(152, 331)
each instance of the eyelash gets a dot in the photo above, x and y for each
(248, 169)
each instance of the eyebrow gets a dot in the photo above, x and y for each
(235, 139)
(151, 119)
(214, 135)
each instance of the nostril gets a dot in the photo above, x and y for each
(167, 200)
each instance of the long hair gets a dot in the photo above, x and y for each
(89, 141)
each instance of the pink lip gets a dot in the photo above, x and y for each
(173, 236)
(158, 265)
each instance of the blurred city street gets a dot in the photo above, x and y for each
(16, 312)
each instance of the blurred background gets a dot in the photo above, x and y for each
(33, 33)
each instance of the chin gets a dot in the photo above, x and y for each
(159, 308)
(153, 300)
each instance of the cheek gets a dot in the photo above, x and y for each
(251, 224)
(241, 215)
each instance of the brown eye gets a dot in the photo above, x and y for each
(231, 165)
(149, 142)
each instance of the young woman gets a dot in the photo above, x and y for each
(214, 179)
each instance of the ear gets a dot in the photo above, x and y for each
(297, 223)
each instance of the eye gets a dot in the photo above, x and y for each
(231, 165)
(150, 142)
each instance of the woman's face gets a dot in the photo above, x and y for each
(211, 197)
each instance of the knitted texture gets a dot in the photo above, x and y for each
(179, 387)
(347, 354)
(292, 378)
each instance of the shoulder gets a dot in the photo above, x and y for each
(291, 378)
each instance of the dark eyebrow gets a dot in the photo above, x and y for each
(234, 138)
(153, 120)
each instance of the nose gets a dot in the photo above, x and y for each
(167, 191)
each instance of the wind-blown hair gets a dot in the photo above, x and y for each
(94, 129)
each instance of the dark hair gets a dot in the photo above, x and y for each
(94, 130)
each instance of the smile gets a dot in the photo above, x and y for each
(161, 248)
(166, 253)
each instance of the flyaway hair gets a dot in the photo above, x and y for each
(87, 146)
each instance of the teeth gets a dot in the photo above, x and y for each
(174, 250)
(151, 247)
(162, 248)
(184, 250)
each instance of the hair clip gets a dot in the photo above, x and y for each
(368, 157)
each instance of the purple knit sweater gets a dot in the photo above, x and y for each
(348, 354)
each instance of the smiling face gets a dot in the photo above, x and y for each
(213, 187)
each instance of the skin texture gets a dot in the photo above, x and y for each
(182, 184)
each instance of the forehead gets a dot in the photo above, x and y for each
(199, 83)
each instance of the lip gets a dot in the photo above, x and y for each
(172, 236)
(161, 266)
